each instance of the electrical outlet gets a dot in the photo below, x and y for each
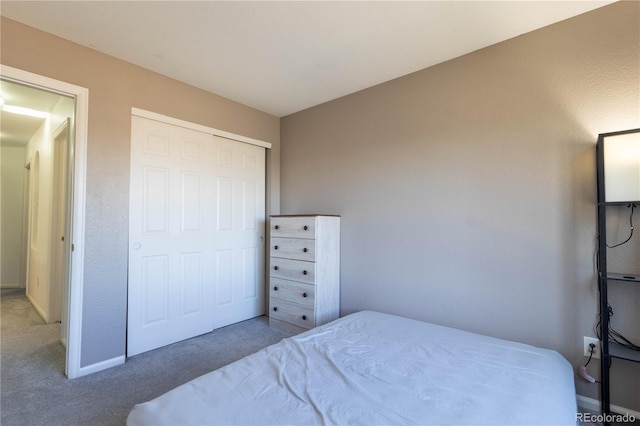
(587, 349)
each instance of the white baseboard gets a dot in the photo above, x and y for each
(594, 405)
(99, 366)
(10, 285)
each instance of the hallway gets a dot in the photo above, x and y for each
(32, 357)
(26, 340)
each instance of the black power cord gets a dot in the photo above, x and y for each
(633, 206)
(592, 349)
(614, 336)
(583, 370)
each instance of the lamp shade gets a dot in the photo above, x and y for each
(622, 167)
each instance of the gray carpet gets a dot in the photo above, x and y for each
(34, 390)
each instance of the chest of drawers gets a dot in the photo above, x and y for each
(304, 278)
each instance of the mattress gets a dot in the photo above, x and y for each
(377, 369)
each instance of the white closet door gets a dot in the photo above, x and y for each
(239, 232)
(182, 262)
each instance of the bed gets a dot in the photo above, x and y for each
(377, 369)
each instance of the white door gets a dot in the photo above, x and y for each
(238, 240)
(195, 234)
(59, 244)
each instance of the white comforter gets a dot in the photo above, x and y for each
(377, 369)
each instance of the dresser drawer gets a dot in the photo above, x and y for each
(293, 227)
(290, 312)
(296, 270)
(300, 293)
(294, 248)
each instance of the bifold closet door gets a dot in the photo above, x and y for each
(196, 234)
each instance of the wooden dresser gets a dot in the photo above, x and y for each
(304, 289)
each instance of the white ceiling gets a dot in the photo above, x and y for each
(283, 57)
(17, 129)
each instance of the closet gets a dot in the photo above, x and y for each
(196, 232)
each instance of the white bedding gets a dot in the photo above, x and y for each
(377, 369)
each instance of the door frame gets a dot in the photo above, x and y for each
(61, 141)
(199, 127)
(77, 171)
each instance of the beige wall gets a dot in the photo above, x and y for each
(13, 176)
(467, 190)
(114, 87)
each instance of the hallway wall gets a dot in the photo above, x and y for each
(13, 179)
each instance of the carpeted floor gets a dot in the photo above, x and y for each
(34, 390)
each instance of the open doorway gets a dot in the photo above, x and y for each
(77, 147)
(77, 160)
(34, 144)
(77, 171)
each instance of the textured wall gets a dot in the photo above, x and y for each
(12, 215)
(114, 87)
(467, 190)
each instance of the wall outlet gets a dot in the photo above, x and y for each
(587, 349)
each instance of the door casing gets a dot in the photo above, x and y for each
(77, 174)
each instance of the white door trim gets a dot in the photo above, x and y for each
(194, 126)
(59, 176)
(81, 95)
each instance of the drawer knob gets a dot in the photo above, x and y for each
(275, 308)
(277, 227)
(275, 268)
(275, 247)
(304, 272)
(304, 317)
(275, 288)
(306, 227)
(304, 294)
(305, 250)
